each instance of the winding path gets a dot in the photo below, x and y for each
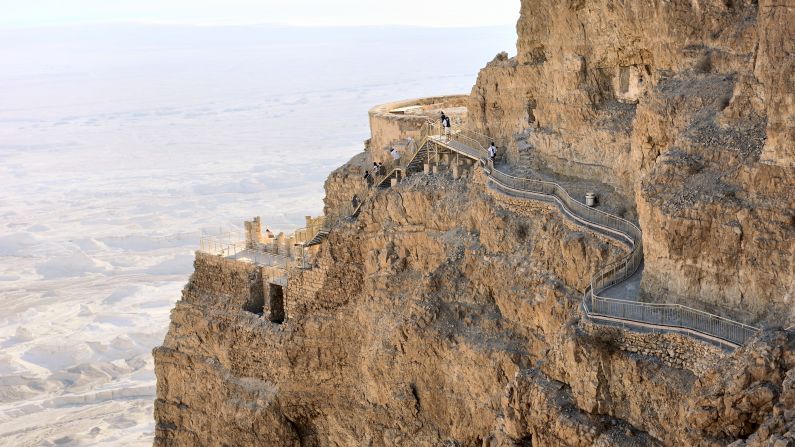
(612, 297)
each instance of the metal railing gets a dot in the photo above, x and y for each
(430, 133)
(272, 252)
(662, 315)
(674, 316)
(308, 233)
(238, 250)
(483, 140)
(400, 166)
(455, 133)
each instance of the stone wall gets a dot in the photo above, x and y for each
(303, 286)
(672, 349)
(232, 285)
(387, 127)
(776, 55)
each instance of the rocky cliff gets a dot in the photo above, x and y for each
(418, 326)
(448, 313)
(687, 108)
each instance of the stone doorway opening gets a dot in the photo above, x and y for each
(256, 300)
(276, 303)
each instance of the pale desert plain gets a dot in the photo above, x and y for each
(121, 145)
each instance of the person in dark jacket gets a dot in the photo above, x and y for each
(445, 125)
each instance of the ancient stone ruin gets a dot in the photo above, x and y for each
(621, 273)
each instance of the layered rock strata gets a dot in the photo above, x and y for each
(686, 108)
(417, 326)
(448, 313)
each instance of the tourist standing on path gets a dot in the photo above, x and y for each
(492, 151)
(395, 155)
(375, 171)
(368, 179)
(445, 125)
(355, 201)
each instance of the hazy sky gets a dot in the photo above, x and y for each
(442, 13)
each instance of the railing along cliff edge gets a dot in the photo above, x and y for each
(668, 316)
(642, 315)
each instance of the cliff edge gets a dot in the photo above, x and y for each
(439, 310)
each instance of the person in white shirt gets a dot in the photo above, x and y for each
(395, 154)
(492, 151)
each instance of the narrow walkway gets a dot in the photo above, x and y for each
(627, 290)
(456, 146)
(612, 297)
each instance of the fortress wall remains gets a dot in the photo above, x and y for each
(674, 350)
(240, 285)
(217, 276)
(303, 286)
(387, 127)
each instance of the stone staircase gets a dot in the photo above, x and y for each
(526, 160)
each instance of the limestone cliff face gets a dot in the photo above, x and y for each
(417, 342)
(418, 327)
(684, 106)
(448, 313)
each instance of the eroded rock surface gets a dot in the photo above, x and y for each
(424, 330)
(449, 314)
(687, 107)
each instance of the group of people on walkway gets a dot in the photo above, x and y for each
(446, 131)
(378, 169)
(373, 173)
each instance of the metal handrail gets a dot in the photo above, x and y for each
(684, 308)
(239, 250)
(657, 314)
(392, 167)
(690, 320)
(308, 233)
(483, 139)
